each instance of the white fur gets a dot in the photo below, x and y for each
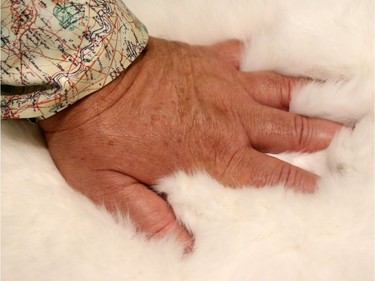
(50, 232)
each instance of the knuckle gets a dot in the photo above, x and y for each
(231, 168)
(289, 176)
(220, 145)
(301, 132)
(272, 86)
(282, 85)
(286, 90)
(232, 161)
(293, 177)
(161, 223)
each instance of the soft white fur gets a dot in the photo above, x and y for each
(50, 232)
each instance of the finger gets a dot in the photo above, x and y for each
(150, 213)
(277, 131)
(250, 167)
(228, 51)
(271, 89)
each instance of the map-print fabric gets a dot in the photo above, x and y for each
(55, 52)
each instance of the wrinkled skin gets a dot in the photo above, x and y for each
(181, 107)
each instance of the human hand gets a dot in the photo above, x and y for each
(181, 107)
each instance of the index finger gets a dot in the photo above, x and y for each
(278, 131)
(250, 167)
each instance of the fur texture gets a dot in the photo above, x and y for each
(50, 232)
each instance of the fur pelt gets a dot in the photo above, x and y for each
(50, 232)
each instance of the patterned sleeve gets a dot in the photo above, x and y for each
(55, 52)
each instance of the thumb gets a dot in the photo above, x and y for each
(150, 213)
(229, 51)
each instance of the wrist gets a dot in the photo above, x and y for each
(94, 104)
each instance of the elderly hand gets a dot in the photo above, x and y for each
(181, 107)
